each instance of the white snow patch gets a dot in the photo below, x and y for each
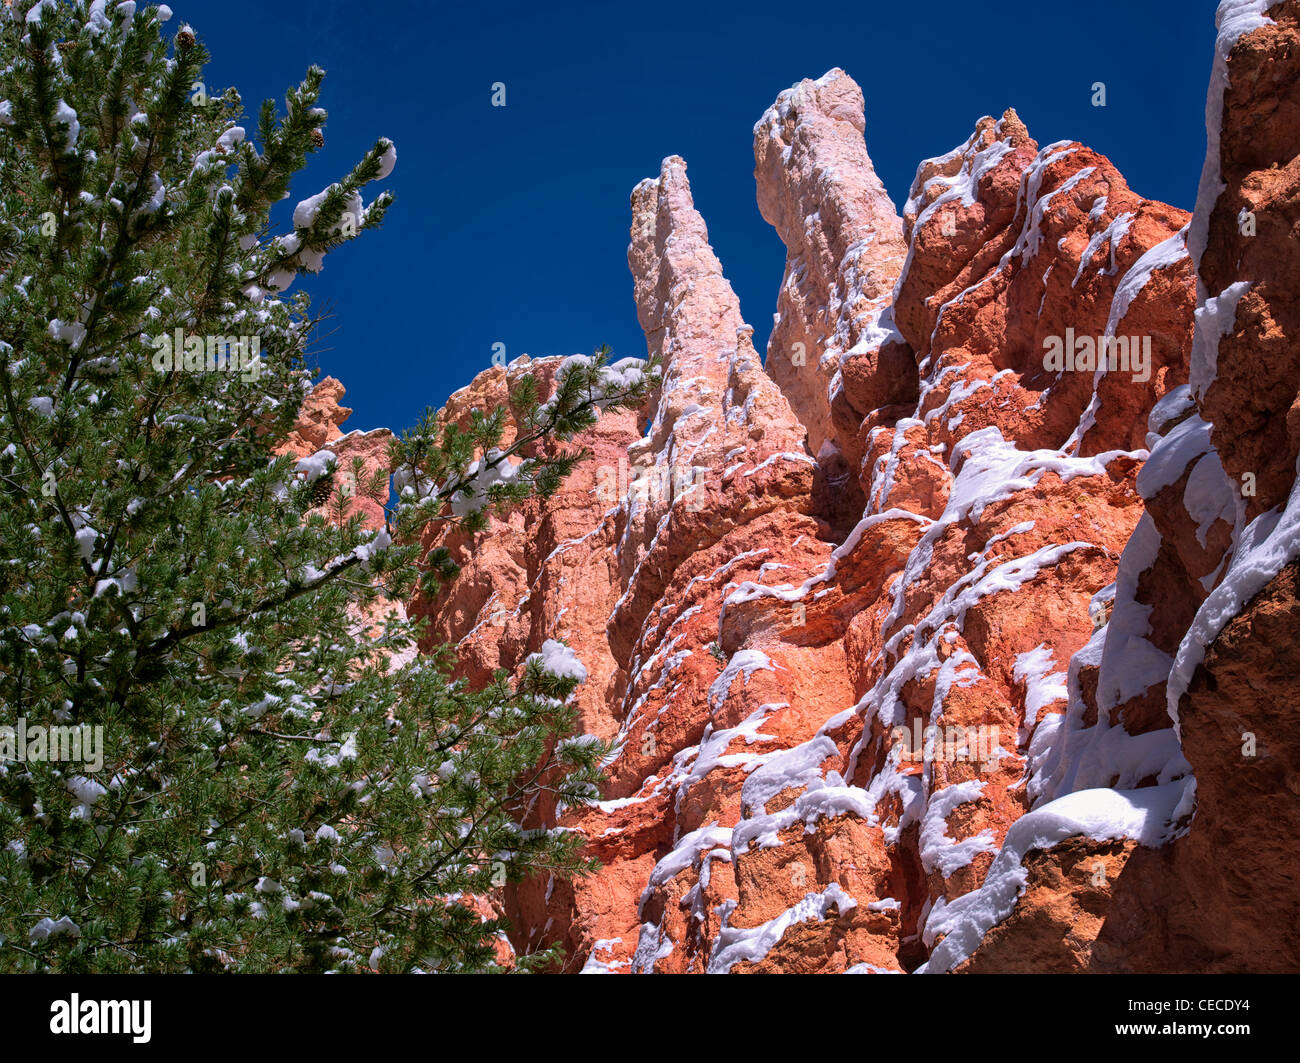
(1147, 815)
(736, 944)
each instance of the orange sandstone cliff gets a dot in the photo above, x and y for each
(958, 632)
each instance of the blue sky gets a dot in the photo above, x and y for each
(511, 224)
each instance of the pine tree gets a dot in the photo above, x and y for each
(272, 797)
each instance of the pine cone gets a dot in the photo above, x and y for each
(322, 489)
(318, 138)
(185, 38)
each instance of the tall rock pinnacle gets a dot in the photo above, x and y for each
(843, 237)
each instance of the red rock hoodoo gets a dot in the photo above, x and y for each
(959, 634)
